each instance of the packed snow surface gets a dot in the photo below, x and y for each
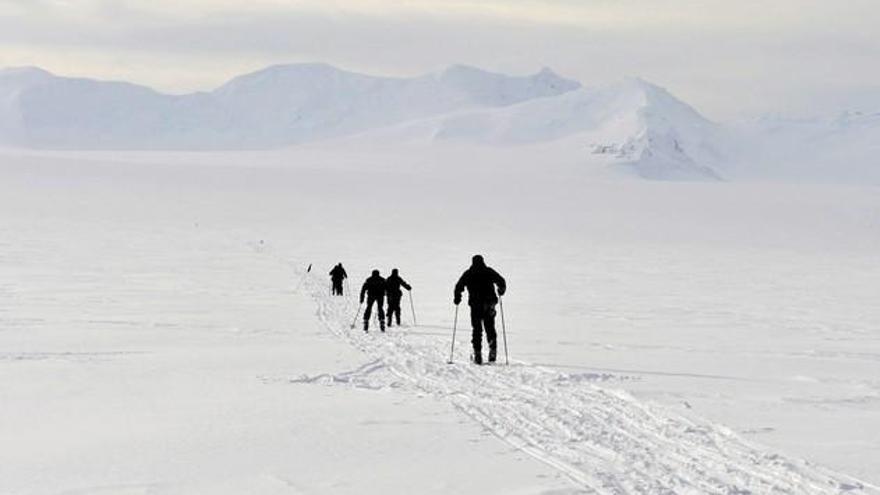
(160, 332)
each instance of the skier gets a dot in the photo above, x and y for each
(480, 282)
(337, 275)
(374, 289)
(392, 289)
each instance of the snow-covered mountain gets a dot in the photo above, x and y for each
(273, 107)
(632, 124)
(40, 110)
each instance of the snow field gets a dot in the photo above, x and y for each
(152, 344)
(603, 439)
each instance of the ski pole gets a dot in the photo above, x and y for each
(356, 316)
(413, 308)
(454, 326)
(504, 331)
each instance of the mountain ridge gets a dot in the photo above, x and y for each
(632, 125)
(276, 106)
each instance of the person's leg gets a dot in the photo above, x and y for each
(491, 335)
(380, 310)
(368, 311)
(396, 311)
(390, 313)
(477, 333)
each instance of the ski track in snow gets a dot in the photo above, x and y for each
(605, 440)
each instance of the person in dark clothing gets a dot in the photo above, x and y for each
(374, 290)
(480, 282)
(337, 275)
(392, 290)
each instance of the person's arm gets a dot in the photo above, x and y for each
(405, 285)
(363, 291)
(344, 275)
(500, 282)
(459, 288)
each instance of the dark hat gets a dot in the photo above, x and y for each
(477, 260)
(375, 273)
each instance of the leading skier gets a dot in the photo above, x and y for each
(480, 282)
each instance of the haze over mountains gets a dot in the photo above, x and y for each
(631, 126)
(277, 106)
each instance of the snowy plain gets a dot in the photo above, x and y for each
(159, 333)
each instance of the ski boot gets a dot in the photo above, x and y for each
(492, 356)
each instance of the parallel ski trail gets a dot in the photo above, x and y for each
(604, 440)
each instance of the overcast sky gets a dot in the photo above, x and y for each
(728, 58)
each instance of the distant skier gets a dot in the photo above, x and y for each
(374, 290)
(337, 275)
(480, 282)
(392, 289)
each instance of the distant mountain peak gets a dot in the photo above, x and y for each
(643, 87)
(298, 72)
(26, 74)
(462, 69)
(545, 74)
(24, 70)
(297, 68)
(548, 73)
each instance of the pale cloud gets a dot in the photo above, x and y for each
(727, 57)
(749, 15)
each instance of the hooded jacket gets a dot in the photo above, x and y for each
(480, 282)
(338, 273)
(393, 284)
(374, 287)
